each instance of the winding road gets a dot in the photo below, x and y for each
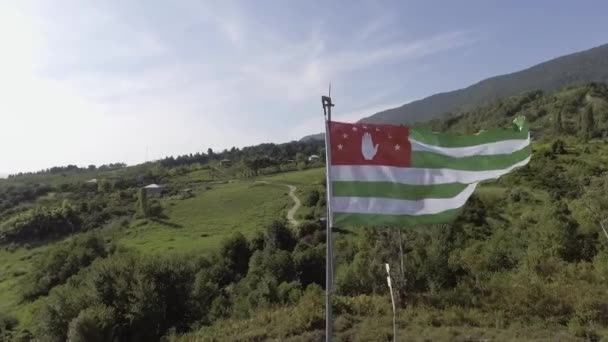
(297, 203)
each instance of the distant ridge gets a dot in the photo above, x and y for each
(577, 68)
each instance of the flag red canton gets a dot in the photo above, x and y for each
(366, 144)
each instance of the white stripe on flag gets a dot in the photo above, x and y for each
(389, 206)
(414, 176)
(499, 147)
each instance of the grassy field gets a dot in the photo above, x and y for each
(195, 224)
(200, 222)
(14, 266)
(304, 178)
(304, 181)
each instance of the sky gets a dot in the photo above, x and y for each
(94, 82)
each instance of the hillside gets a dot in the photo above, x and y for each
(573, 69)
(463, 281)
(213, 259)
(577, 68)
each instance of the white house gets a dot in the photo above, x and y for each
(153, 189)
(313, 158)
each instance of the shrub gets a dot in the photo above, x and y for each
(59, 264)
(310, 265)
(279, 236)
(308, 228)
(94, 324)
(558, 147)
(519, 195)
(235, 252)
(312, 198)
(7, 325)
(220, 308)
(289, 292)
(39, 224)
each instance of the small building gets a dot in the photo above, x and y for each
(225, 162)
(154, 189)
(313, 158)
(92, 181)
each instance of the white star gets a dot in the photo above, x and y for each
(397, 147)
(345, 135)
(340, 146)
(354, 128)
(364, 127)
(377, 129)
(390, 136)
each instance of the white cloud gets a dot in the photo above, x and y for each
(116, 81)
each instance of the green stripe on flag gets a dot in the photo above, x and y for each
(474, 163)
(452, 140)
(358, 220)
(396, 190)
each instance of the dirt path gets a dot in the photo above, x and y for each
(297, 203)
(296, 206)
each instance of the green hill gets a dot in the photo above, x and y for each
(569, 70)
(213, 259)
(577, 68)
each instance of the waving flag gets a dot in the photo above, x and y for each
(395, 175)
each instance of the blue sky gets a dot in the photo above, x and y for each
(86, 82)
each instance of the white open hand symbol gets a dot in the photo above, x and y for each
(367, 147)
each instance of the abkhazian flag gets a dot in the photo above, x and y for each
(400, 176)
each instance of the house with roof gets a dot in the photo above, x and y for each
(154, 189)
(313, 158)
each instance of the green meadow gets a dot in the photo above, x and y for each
(199, 223)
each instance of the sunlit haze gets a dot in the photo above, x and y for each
(125, 81)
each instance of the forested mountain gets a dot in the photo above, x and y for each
(571, 111)
(573, 69)
(577, 68)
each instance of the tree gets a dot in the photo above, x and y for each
(279, 236)
(312, 198)
(595, 201)
(104, 185)
(309, 264)
(587, 124)
(210, 152)
(235, 253)
(557, 123)
(253, 165)
(93, 324)
(142, 203)
(301, 159)
(557, 147)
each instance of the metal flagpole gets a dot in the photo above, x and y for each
(327, 104)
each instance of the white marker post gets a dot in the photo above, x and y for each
(390, 287)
